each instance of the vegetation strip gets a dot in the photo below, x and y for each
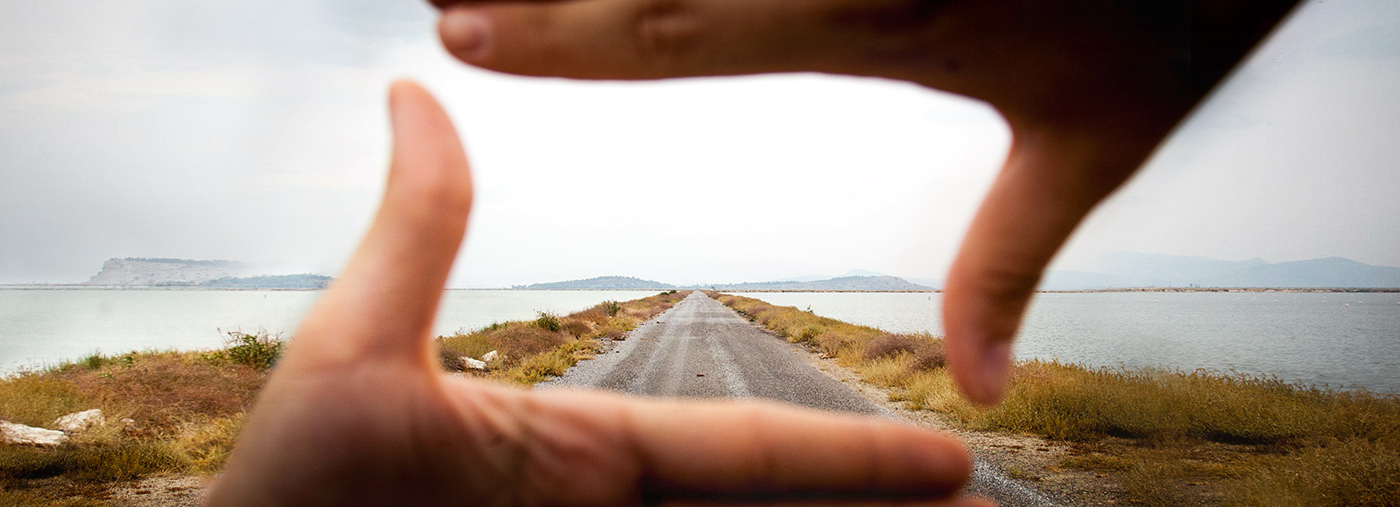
(180, 412)
(1169, 437)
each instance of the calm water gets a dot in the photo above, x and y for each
(1350, 340)
(1343, 340)
(40, 327)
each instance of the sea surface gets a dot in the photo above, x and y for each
(1336, 339)
(1342, 340)
(46, 327)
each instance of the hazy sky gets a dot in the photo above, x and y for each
(256, 130)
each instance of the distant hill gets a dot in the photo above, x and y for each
(1124, 270)
(600, 283)
(1163, 270)
(845, 283)
(136, 271)
(148, 272)
(1331, 272)
(304, 282)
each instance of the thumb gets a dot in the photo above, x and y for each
(383, 304)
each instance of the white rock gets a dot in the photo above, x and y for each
(12, 433)
(473, 364)
(490, 356)
(81, 421)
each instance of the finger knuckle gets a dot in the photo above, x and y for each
(664, 32)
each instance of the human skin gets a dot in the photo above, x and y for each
(357, 412)
(1089, 89)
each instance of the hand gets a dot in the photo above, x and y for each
(358, 413)
(1088, 87)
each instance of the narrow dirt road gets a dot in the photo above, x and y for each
(702, 349)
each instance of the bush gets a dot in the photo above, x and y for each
(808, 335)
(259, 351)
(832, 344)
(548, 322)
(576, 328)
(612, 307)
(930, 356)
(95, 361)
(927, 351)
(521, 341)
(890, 345)
(616, 329)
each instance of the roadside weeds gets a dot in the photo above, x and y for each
(1159, 437)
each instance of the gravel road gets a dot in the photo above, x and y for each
(702, 349)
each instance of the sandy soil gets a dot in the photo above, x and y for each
(161, 491)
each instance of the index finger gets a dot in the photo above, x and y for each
(1053, 178)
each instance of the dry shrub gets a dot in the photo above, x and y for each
(927, 351)
(755, 311)
(576, 328)
(834, 344)
(597, 315)
(160, 390)
(616, 329)
(519, 341)
(930, 356)
(552, 363)
(808, 335)
(889, 345)
(452, 348)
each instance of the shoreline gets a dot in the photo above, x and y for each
(1123, 290)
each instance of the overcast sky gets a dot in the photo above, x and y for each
(256, 130)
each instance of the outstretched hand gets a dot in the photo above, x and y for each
(1088, 87)
(357, 412)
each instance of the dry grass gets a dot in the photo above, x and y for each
(180, 412)
(167, 412)
(533, 351)
(1170, 437)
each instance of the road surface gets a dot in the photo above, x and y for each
(702, 349)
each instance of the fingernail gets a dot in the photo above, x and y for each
(466, 34)
(996, 367)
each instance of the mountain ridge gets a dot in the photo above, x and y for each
(1139, 270)
(213, 274)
